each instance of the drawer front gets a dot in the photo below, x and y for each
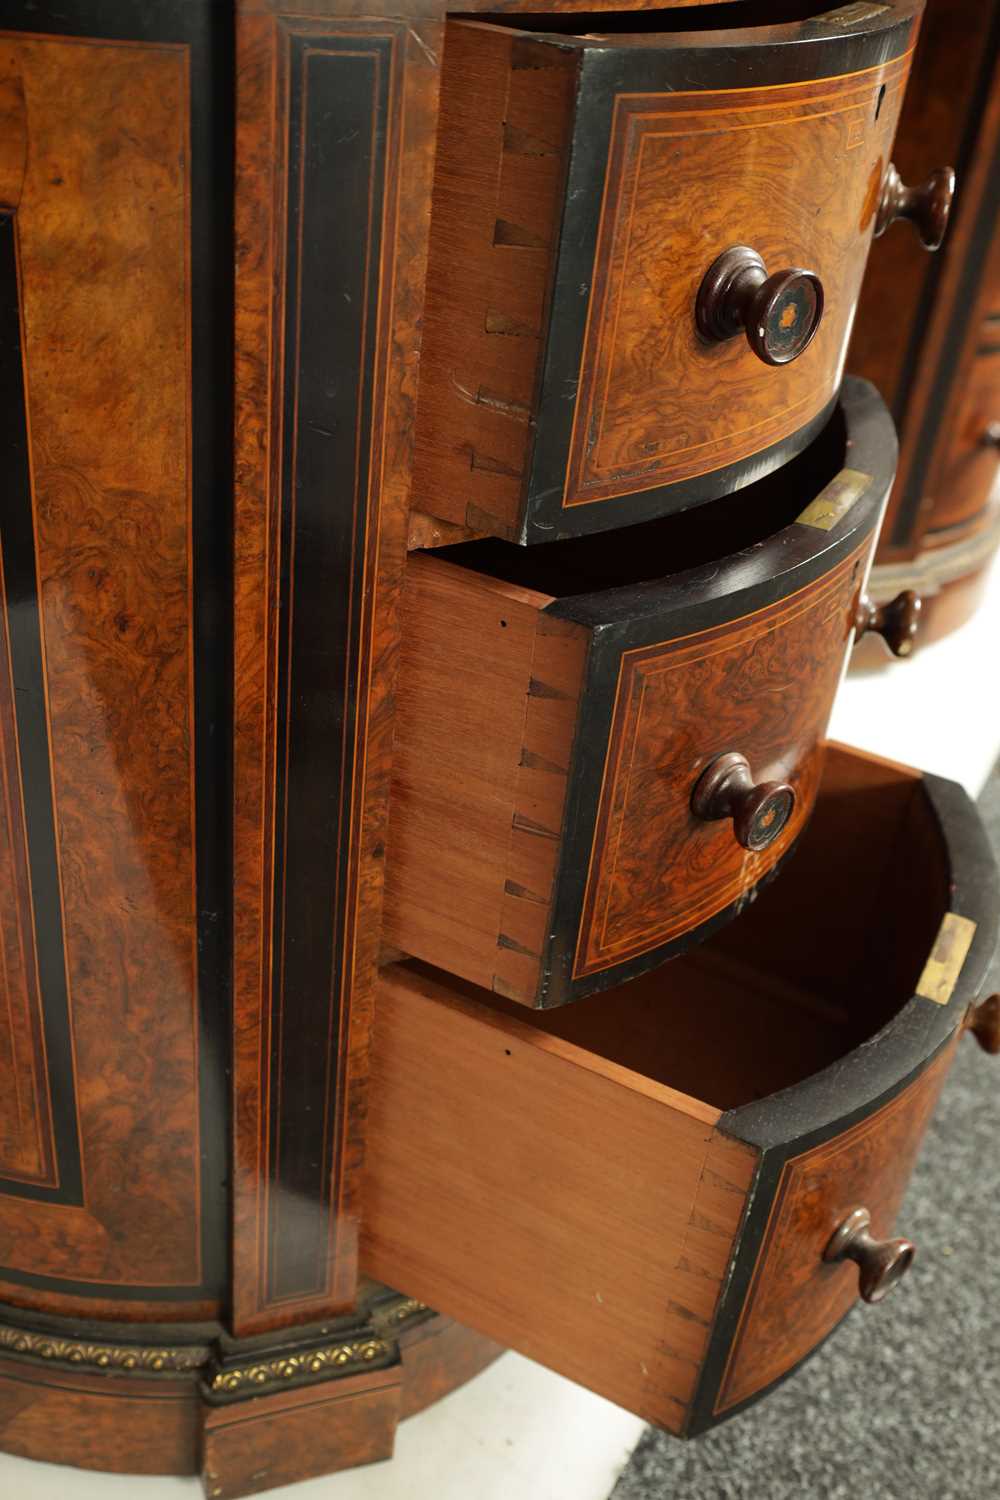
(763, 686)
(794, 172)
(795, 1297)
(584, 187)
(544, 841)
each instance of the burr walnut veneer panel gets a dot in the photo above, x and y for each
(583, 187)
(794, 1298)
(114, 416)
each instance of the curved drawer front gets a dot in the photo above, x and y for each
(550, 832)
(762, 686)
(585, 186)
(641, 1190)
(795, 1297)
(795, 173)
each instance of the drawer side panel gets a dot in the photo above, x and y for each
(545, 1202)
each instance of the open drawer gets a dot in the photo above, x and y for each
(640, 1190)
(569, 719)
(648, 236)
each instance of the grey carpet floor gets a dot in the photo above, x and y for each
(903, 1402)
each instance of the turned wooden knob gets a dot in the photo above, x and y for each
(779, 313)
(726, 789)
(896, 622)
(927, 206)
(881, 1263)
(984, 1023)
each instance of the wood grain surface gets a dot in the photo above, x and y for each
(921, 318)
(763, 686)
(557, 1202)
(901, 276)
(104, 276)
(285, 1437)
(793, 172)
(795, 1297)
(296, 1199)
(531, 1171)
(874, 847)
(966, 481)
(60, 1404)
(92, 1420)
(506, 117)
(487, 713)
(652, 405)
(437, 1357)
(27, 1142)
(491, 734)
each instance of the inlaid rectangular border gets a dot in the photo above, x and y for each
(638, 118)
(36, 904)
(340, 91)
(593, 952)
(787, 57)
(200, 36)
(335, 136)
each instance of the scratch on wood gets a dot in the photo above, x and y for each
(428, 52)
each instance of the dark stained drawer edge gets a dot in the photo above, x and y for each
(755, 577)
(921, 1026)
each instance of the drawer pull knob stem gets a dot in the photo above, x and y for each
(927, 206)
(896, 622)
(726, 789)
(881, 1263)
(984, 1023)
(779, 313)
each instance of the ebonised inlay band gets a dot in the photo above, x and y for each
(339, 92)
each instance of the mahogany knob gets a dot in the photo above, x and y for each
(896, 622)
(927, 206)
(984, 1023)
(725, 789)
(779, 313)
(881, 1263)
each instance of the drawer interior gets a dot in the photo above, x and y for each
(823, 958)
(656, 549)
